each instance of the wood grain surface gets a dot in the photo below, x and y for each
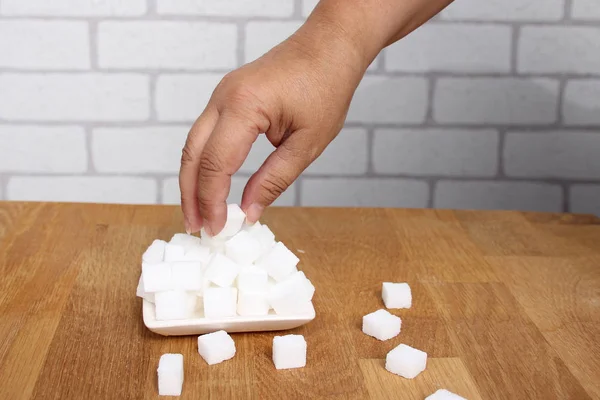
(506, 304)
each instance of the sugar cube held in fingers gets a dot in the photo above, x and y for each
(235, 220)
(406, 361)
(289, 351)
(216, 347)
(170, 375)
(381, 325)
(396, 295)
(443, 394)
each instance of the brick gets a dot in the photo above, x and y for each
(183, 97)
(364, 192)
(452, 48)
(585, 199)
(495, 100)
(167, 45)
(261, 149)
(581, 102)
(73, 8)
(54, 149)
(347, 154)
(234, 8)
(559, 49)
(172, 193)
(31, 44)
(485, 195)
(445, 152)
(553, 154)
(134, 150)
(74, 97)
(585, 9)
(308, 6)
(263, 36)
(381, 99)
(84, 189)
(505, 10)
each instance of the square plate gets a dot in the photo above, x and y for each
(201, 325)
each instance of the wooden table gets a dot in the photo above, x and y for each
(506, 304)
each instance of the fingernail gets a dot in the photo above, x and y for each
(254, 212)
(188, 228)
(208, 229)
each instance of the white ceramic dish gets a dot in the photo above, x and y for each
(200, 325)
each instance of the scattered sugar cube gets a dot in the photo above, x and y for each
(170, 374)
(235, 220)
(252, 303)
(198, 253)
(279, 262)
(289, 296)
(155, 253)
(156, 277)
(289, 351)
(174, 304)
(406, 361)
(184, 240)
(443, 394)
(381, 325)
(186, 275)
(242, 248)
(220, 302)
(396, 295)
(174, 252)
(216, 347)
(140, 292)
(252, 279)
(221, 270)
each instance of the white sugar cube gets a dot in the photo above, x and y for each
(198, 253)
(216, 347)
(265, 237)
(174, 252)
(289, 296)
(243, 248)
(170, 374)
(381, 325)
(252, 279)
(443, 394)
(289, 351)
(221, 270)
(252, 229)
(396, 295)
(184, 240)
(252, 303)
(155, 253)
(406, 361)
(310, 289)
(174, 304)
(186, 275)
(156, 277)
(279, 262)
(140, 292)
(235, 220)
(220, 302)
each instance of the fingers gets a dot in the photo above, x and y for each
(222, 156)
(190, 168)
(277, 173)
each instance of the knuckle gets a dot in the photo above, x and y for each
(210, 164)
(274, 186)
(187, 155)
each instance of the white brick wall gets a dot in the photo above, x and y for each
(436, 152)
(493, 104)
(167, 45)
(495, 101)
(547, 49)
(452, 47)
(44, 44)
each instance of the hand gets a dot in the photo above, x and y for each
(298, 94)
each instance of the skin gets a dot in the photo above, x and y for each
(297, 94)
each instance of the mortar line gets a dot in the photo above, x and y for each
(298, 195)
(3, 186)
(159, 190)
(559, 104)
(432, 185)
(568, 6)
(431, 87)
(93, 33)
(566, 206)
(370, 149)
(514, 48)
(153, 115)
(500, 173)
(240, 51)
(297, 13)
(152, 8)
(91, 169)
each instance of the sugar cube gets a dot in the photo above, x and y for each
(265, 237)
(310, 289)
(155, 253)
(221, 270)
(443, 394)
(174, 304)
(242, 248)
(220, 302)
(185, 240)
(170, 374)
(198, 253)
(381, 325)
(279, 262)
(235, 220)
(140, 292)
(174, 252)
(252, 303)
(252, 228)
(406, 361)
(186, 275)
(215, 245)
(156, 277)
(216, 347)
(289, 296)
(289, 351)
(396, 295)
(252, 279)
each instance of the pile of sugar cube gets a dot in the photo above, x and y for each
(242, 271)
(403, 360)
